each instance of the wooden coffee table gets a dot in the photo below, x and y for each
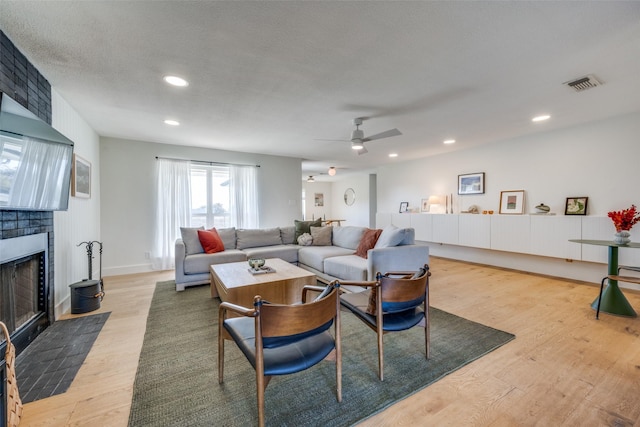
(232, 282)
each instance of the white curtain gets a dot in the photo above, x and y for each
(39, 180)
(243, 192)
(173, 209)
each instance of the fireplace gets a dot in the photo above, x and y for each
(25, 288)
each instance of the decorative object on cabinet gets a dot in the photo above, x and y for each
(404, 207)
(473, 209)
(424, 205)
(81, 178)
(472, 183)
(349, 196)
(542, 209)
(512, 202)
(576, 206)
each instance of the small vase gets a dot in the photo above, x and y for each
(622, 237)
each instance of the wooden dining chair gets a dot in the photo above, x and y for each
(280, 339)
(619, 278)
(395, 301)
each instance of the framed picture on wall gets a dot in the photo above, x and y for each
(576, 206)
(404, 207)
(424, 205)
(81, 178)
(512, 202)
(318, 199)
(471, 183)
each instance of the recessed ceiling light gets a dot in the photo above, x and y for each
(393, 155)
(176, 81)
(172, 122)
(449, 141)
(541, 118)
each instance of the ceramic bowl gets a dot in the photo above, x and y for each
(256, 263)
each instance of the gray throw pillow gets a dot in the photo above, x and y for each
(391, 236)
(321, 236)
(191, 241)
(304, 226)
(228, 237)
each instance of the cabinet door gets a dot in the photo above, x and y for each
(445, 229)
(422, 224)
(596, 228)
(401, 220)
(474, 230)
(550, 236)
(511, 233)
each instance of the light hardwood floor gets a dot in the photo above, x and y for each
(563, 369)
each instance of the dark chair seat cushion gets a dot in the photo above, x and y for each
(285, 359)
(357, 303)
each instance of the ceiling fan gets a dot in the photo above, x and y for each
(358, 139)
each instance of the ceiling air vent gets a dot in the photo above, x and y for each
(583, 83)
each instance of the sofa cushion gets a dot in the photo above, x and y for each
(304, 227)
(391, 236)
(288, 235)
(368, 241)
(321, 236)
(349, 267)
(348, 236)
(191, 241)
(255, 238)
(228, 236)
(210, 241)
(200, 263)
(314, 256)
(287, 253)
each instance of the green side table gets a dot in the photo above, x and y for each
(613, 300)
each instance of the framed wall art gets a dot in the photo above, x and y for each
(404, 207)
(576, 206)
(471, 183)
(512, 202)
(318, 199)
(424, 205)
(81, 178)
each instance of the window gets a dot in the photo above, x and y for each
(210, 199)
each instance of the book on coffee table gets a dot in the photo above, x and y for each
(262, 270)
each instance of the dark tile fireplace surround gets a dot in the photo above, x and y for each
(23, 82)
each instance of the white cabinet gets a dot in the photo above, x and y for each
(423, 225)
(543, 235)
(550, 236)
(511, 233)
(401, 220)
(474, 231)
(445, 229)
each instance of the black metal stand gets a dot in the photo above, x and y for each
(89, 248)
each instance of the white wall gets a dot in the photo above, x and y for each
(81, 222)
(358, 213)
(128, 194)
(311, 211)
(598, 160)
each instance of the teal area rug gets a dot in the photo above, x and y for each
(177, 385)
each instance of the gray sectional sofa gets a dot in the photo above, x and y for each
(395, 250)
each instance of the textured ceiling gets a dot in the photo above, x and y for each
(274, 77)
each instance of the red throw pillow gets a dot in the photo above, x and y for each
(210, 241)
(368, 241)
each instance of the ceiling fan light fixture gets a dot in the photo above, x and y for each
(310, 179)
(357, 145)
(332, 171)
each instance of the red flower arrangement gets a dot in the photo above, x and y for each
(624, 219)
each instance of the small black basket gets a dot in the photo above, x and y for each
(86, 296)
